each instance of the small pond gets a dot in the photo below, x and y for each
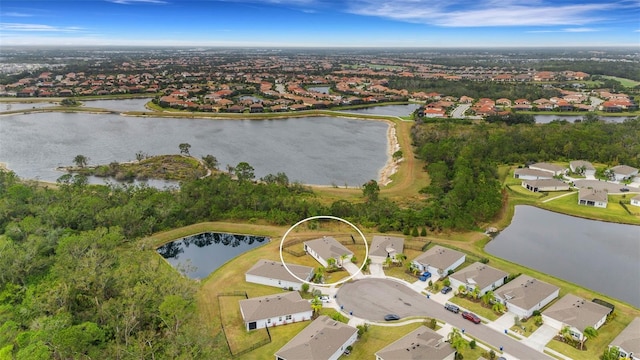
(199, 255)
(118, 105)
(389, 110)
(319, 89)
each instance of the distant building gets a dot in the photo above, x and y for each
(628, 341)
(422, 343)
(545, 185)
(479, 275)
(584, 167)
(624, 172)
(273, 310)
(552, 168)
(439, 260)
(323, 339)
(576, 313)
(593, 197)
(383, 247)
(273, 273)
(524, 294)
(531, 174)
(326, 248)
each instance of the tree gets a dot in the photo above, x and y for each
(462, 290)
(210, 161)
(343, 257)
(487, 298)
(244, 171)
(81, 160)
(414, 232)
(611, 353)
(184, 148)
(316, 305)
(304, 288)
(446, 282)
(498, 307)
(387, 261)
(588, 333)
(400, 259)
(476, 292)
(371, 190)
(331, 262)
(456, 340)
(423, 232)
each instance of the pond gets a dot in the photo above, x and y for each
(312, 150)
(123, 105)
(601, 256)
(199, 255)
(389, 110)
(9, 106)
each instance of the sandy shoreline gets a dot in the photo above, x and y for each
(391, 167)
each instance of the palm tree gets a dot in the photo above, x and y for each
(343, 257)
(400, 259)
(318, 275)
(462, 290)
(487, 298)
(387, 261)
(316, 305)
(588, 333)
(498, 307)
(331, 262)
(456, 340)
(566, 333)
(475, 292)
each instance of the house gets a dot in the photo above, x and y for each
(552, 168)
(272, 310)
(273, 273)
(524, 294)
(383, 247)
(635, 201)
(326, 248)
(421, 343)
(531, 174)
(623, 172)
(582, 167)
(592, 197)
(479, 275)
(576, 313)
(628, 341)
(545, 185)
(324, 339)
(439, 261)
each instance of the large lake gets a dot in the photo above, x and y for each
(598, 255)
(312, 150)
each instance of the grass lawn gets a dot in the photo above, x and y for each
(237, 335)
(613, 213)
(377, 337)
(280, 335)
(529, 328)
(475, 307)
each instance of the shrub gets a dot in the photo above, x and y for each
(472, 344)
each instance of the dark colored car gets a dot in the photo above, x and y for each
(471, 317)
(391, 317)
(425, 276)
(446, 289)
(624, 189)
(452, 308)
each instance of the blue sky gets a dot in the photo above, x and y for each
(322, 23)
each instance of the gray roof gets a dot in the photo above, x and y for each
(275, 270)
(577, 163)
(525, 291)
(328, 247)
(577, 312)
(629, 338)
(546, 183)
(548, 167)
(420, 344)
(624, 170)
(379, 245)
(321, 339)
(533, 172)
(479, 274)
(592, 195)
(439, 257)
(270, 306)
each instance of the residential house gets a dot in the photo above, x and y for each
(273, 310)
(383, 247)
(273, 273)
(439, 261)
(623, 172)
(552, 168)
(576, 313)
(592, 197)
(531, 174)
(524, 294)
(479, 275)
(583, 167)
(628, 341)
(326, 248)
(421, 343)
(545, 185)
(323, 339)
(635, 201)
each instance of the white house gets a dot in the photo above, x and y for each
(624, 172)
(326, 248)
(524, 294)
(273, 310)
(383, 247)
(531, 174)
(583, 166)
(273, 273)
(593, 197)
(421, 343)
(576, 313)
(439, 260)
(324, 338)
(552, 168)
(479, 275)
(628, 341)
(635, 201)
(545, 185)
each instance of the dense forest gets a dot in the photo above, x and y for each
(76, 282)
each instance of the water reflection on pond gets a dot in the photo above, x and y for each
(199, 255)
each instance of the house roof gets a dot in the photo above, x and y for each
(533, 172)
(380, 244)
(629, 338)
(328, 247)
(422, 343)
(545, 182)
(439, 257)
(275, 270)
(577, 312)
(547, 167)
(320, 340)
(592, 195)
(525, 291)
(577, 163)
(624, 170)
(479, 274)
(265, 307)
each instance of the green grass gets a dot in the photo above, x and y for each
(238, 337)
(377, 337)
(280, 335)
(614, 212)
(625, 82)
(475, 307)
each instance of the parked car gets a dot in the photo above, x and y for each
(425, 275)
(471, 317)
(325, 298)
(446, 289)
(624, 189)
(391, 317)
(452, 308)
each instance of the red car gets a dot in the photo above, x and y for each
(471, 317)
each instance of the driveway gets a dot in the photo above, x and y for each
(540, 338)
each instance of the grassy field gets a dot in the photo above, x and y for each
(625, 82)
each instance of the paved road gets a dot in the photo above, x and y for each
(372, 299)
(458, 112)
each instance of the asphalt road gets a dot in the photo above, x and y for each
(372, 299)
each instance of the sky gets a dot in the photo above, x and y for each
(322, 23)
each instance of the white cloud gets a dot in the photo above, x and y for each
(37, 27)
(15, 14)
(130, 2)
